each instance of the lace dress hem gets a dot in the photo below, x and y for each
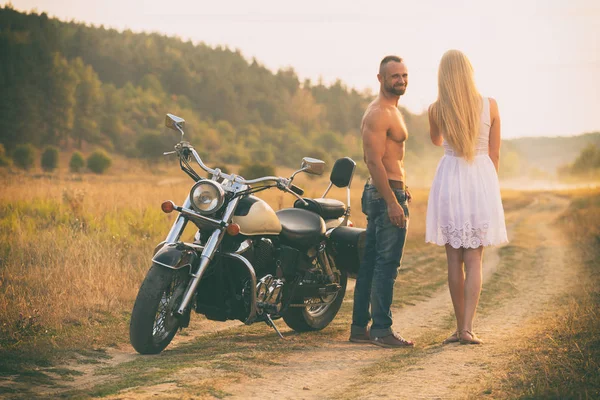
(484, 244)
(468, 236)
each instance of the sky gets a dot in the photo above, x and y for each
(540, 59)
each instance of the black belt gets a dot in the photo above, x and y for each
(393, 184)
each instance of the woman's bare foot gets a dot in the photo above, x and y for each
(468, 337)
(452, 338)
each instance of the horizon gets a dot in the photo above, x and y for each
(526, 93)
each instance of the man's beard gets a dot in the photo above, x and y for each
(396, 91)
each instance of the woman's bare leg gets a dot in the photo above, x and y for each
(472, 289)
(456, 283)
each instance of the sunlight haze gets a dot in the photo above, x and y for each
(539, 59)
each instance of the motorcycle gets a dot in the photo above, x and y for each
(248, 262)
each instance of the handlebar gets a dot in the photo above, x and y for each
(298, 190)
(282, 183)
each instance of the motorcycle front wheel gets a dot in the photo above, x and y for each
(317, 317)
(153, 322)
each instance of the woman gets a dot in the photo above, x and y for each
(464, 211)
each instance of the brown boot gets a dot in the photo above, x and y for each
(362, 337)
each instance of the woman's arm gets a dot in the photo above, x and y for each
(494, 145)
(434, 130)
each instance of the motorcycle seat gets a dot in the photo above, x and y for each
(326, 208)
(300, 228)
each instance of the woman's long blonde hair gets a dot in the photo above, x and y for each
(458, 106)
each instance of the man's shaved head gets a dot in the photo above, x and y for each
(386, 60)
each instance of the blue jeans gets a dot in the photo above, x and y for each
(379, 267)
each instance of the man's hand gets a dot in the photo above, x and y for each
(396, 215)
(408, 195)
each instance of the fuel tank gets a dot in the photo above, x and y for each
(256, 217)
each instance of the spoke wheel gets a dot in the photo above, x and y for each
(317, 317)
(153, 320)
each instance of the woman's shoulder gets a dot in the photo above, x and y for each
(493, 107)
(491, 100)
(432, 107)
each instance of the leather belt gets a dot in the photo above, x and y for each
(393, 184)
(397, 185)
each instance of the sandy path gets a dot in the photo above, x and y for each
(448, 373)
(443, 372)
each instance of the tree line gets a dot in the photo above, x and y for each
(82, 87)
(70, 85)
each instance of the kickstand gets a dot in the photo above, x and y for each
(269, 322)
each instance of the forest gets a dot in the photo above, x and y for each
(81, 87)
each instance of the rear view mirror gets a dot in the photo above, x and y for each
(312, 166)
(174, 122)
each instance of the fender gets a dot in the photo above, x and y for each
(186, 255)
(177, 256)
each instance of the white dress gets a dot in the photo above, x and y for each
(464, 207)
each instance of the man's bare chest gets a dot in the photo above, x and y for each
(397, 131)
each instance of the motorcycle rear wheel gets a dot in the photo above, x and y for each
(153, 323)
(316, 318)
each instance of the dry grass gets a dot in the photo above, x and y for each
(74, 249)
(558, 355)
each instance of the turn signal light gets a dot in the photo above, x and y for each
(167, 207)
(233, 229)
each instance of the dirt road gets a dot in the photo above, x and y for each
(521, 280)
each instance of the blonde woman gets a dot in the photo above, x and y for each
(464, 211)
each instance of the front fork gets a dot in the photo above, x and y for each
(179, 224)
(207, 253)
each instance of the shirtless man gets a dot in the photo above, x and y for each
(384, 201)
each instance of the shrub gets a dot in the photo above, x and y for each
(257, 170)
(152, 146)
(50, 159)
(4, 161)
(23, 156)
(77, 162)
(98, 162)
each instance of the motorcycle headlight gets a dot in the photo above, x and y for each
(207, 197)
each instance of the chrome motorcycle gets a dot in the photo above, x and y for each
(248, 262)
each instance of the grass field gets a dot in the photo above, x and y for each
(75, 248)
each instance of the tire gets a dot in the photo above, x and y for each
(318, 317)
(153, 324)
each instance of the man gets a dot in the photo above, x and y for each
(384, 201)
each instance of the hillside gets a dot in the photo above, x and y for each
(72, 85)
(547, 154)
(77, 86)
